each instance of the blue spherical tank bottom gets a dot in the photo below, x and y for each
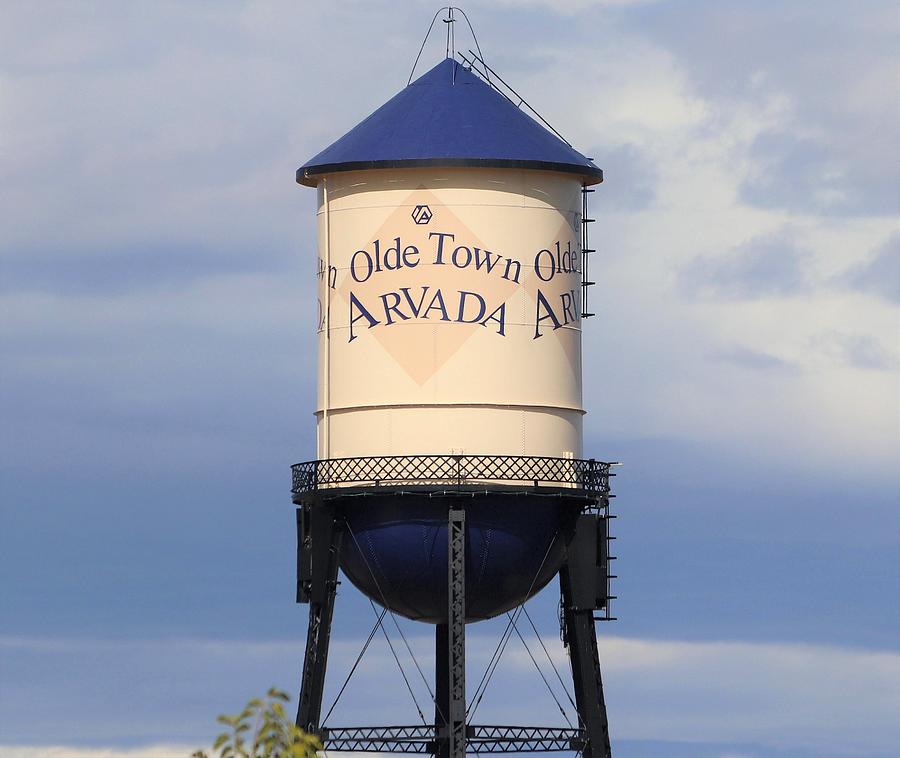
(395, 547)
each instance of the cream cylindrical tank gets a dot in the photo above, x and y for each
(449, 270)
(449, 312)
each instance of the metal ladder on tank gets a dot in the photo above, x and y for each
(586, 250)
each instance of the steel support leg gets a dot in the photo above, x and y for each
(441, 687)
(450, 648)
(326, 539)
(580, 636)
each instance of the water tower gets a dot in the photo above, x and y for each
(450, 483)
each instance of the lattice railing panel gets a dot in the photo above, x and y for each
(455, 470)
(479, 739)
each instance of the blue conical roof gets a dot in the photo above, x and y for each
(448, 117)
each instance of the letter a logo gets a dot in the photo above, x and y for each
(421, 214)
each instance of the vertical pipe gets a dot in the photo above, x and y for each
(326, 380)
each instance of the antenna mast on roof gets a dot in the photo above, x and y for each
(450, 52)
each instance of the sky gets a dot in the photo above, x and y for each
(156, 295)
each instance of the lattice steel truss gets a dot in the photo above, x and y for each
(456, 637)
(589, 476)
(479, 739)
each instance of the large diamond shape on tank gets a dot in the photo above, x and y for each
(410, 341)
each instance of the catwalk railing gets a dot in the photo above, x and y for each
(479, 739)
(589, 476)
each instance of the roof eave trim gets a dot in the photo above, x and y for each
(309, 175)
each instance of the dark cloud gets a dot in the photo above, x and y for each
(746, 358)
(817, 175)
(866, 352)
(629, 179)
(770, 265)
(858, 350)
(134, 267)
(880, 275)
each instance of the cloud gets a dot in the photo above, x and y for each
(815, 174)
(861, 351)
(59, 751)
(826, 700)
(752, 359)
(881, 274)
(797, 680)
(629, 179)
(572, 7)
(623, 749)
(771, 265)
(163, 266)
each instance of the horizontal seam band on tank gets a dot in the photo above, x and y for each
(447, 205)
(430, 322)
(504, 406)
(443, 265)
